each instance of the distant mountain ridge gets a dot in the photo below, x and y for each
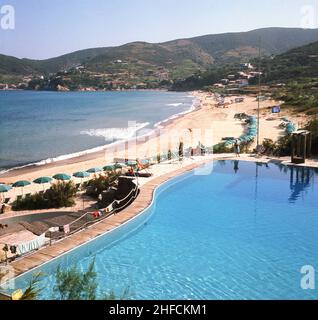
(170, 60)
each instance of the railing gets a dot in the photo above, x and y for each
(132, 195)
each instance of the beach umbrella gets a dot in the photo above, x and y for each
(21, 184)
(131, 163)
(95, 170)
(4, 188)
(81, 174)
(43, 181)
(62, 177)
(145, 162)
(120, 165)
(109, 168)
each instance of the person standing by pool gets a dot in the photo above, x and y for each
(237, 148)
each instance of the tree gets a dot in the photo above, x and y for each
(33, 290)
(75, 285)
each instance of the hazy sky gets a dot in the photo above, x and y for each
(45, 28)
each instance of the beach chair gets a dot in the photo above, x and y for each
(6, 200)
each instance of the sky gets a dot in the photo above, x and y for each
(45, 28)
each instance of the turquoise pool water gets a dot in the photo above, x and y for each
(242, 232)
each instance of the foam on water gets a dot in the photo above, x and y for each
(113, 134)
(73, 124)
(174, 104)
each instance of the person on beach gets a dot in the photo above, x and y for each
(237, 148)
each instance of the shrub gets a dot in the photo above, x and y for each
(281, 148)
(222, 148)
(60, 195)
(100, 183)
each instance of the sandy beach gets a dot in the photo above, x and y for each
(208, 124)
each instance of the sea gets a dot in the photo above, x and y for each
(38, 127)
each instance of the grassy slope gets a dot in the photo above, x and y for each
(180, 57)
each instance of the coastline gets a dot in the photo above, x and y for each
(206, 123)
(95, 152)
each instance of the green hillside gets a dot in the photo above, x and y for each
(298, 64)
(153, 64)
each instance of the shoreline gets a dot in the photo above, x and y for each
(206, 124)
(98, 151)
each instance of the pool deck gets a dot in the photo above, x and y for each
(144, 200)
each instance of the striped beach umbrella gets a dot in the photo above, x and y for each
(62, 177)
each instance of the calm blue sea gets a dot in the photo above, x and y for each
(242, 232)
(36, 126)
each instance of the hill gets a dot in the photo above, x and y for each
(296, 64)
(152, 64)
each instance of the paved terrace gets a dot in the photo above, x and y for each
(162, 173)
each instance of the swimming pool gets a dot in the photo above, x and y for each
(242, 232)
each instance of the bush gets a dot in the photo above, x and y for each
(281, 148)
(222, 148)
(60, 195)
(99, 184)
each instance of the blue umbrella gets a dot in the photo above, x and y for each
(62, 177)
(21, 184)
(43, 181)
(4, 188)
(109, 168)
(131, 163)
(95, 170)
(120, 165)
(81, 174)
